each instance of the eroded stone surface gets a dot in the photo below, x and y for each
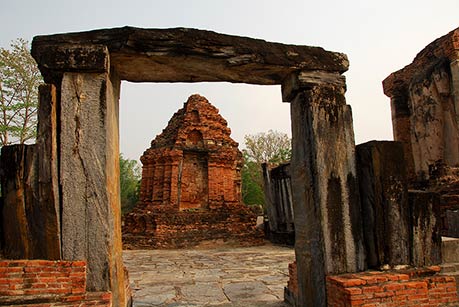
(384, 197)
(328, 231)
(89, 174)
(180, 55)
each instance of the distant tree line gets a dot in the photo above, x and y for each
(271, 147)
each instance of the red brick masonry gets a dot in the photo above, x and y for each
(43, 283)
(424, 287)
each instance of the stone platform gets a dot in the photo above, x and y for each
(225, 276)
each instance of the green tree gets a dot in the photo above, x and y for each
(252, 191)
(271, 147)
(130, 176)
(19, 81)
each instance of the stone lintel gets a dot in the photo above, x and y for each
(302, 80)
(55, 59)
(191, 55)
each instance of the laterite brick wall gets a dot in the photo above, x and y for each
(43, 283)
(421, 288)
(425, 287)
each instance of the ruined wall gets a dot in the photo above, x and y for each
(417, 287)
(425, 105)
(412, 287)
(43, 283)
(424, 101)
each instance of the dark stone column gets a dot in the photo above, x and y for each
(47, 226)
(326, 204)
(270, 206)
(19, 192)
(425, 221)
(30, 213)
(383, 190)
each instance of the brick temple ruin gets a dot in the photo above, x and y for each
(191, 185)
(424, 99)
(353, 208)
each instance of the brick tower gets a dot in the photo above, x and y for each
(191, 184)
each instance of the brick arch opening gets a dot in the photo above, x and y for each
(79, 146)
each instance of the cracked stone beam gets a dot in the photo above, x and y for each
(181, 55)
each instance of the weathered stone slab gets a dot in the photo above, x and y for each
(269, 199)
(278, 203)
(18, 184)
(450, 250)
(452, 218)
(385, 210)
(186, 55)
(83, 57)
(89, 171)
(248, 291)
(47, 221)
(425, 228)
(307, 79)
(325, 192)
(204, 293)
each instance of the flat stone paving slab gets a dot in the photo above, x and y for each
(223, 276)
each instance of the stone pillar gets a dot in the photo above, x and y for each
(89, 171)
(425, 231)
(328, 230)
(269, 198)
(385, 210)
(19, 191)
(30, 189)
(47, 227)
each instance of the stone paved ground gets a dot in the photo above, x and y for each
(225, 276)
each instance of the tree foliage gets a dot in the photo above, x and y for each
(268, 147)
(19, 81)
(271, 147)
(130, 176)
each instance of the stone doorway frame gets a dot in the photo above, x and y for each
(78, 139)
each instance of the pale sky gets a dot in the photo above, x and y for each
(379, 37)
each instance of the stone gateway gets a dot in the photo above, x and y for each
(79, 143)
